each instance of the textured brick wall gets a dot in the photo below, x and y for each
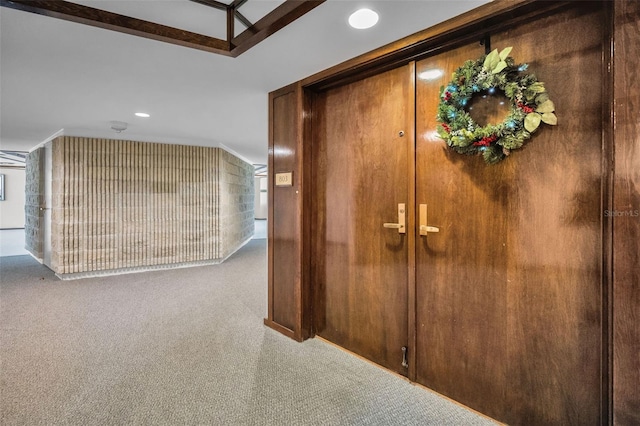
(34, 198)
(124, 204)
(236, 180)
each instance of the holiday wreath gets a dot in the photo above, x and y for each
(530, 105)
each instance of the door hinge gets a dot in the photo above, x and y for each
(405, 364)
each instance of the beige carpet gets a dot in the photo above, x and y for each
(182, 347)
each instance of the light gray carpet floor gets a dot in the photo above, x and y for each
(183, 346)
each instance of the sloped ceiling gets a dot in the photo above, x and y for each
(56, 74)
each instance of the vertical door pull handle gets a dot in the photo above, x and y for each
(424, 228)
(405, 362)
(400, 226)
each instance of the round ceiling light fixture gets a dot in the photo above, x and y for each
(142, 114)
(118, 126)
(363, 18)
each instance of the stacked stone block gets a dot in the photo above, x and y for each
(121, 205)
(235, 180)
(34, 199)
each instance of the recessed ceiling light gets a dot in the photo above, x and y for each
(363, 18)
(142, 114)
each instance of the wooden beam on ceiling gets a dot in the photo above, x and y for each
(237, 3)
(231, 20)
(212, 3)
(275, 20)
(112, 21)
(233, 6)
(243, 19)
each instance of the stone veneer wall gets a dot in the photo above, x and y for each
(122, 205)
(34, 198)
(235, 180)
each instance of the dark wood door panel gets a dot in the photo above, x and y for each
(509, 293)
(461, 270)
(285, 226)
(555, 290)
(360, 170)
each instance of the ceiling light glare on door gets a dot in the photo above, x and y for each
(432, 74)
(363, 18)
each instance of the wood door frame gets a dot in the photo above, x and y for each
(472, 26)
(477, 24)
(297, 280)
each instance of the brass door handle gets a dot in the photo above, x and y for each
(400, 226)
(424, 228)
(392, 225)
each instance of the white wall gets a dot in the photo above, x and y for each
(260, 201)
(12, 208)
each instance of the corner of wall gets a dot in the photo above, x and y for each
(236, 197)
(34, 196)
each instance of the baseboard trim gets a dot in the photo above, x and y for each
(136, 269)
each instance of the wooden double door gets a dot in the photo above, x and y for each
(502, 309)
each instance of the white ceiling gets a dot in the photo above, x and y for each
(58, 75)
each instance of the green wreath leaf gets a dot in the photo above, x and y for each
(493, 155)
(538, 87)
(505, 52)
(546, 106)
(542, 97)
(501, 65)
(532, 121)
(550, 118)
(492, 60)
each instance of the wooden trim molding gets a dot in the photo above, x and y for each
(112, 21)
(288, 251)
(625, 298)
(280, 328)
(277, 19)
